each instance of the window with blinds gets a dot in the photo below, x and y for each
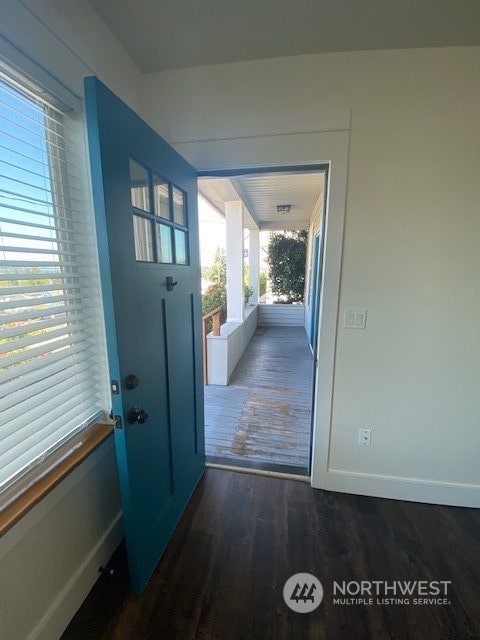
(53, 379)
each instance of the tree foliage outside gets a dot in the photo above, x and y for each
(216, 294)
(247, 289)
(287, 253)
(22, 282)
(263, 284)
(42, 303)
(217, 272)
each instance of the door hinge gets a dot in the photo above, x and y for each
(117, 421)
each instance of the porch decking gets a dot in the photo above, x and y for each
(263, 417)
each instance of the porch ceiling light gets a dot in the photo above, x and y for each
(283, 208)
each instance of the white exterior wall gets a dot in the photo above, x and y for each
(281, 315)
(410, 251)
(49, 560)
(224, 351)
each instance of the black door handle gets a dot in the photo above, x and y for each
(170, 283)
(137, 415)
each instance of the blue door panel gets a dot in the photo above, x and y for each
(152, 333)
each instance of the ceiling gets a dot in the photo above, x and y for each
(174, 34)
(262, 192)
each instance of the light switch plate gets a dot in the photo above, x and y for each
(355, 319)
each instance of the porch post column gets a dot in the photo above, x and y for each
(235, 287)
(254, 264)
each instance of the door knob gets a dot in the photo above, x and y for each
(142, 416)
(137, 415)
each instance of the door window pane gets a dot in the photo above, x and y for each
(181, 246)
(179, 207)
(161, 197)
(139, 186)
(142, 229)
(164, 243)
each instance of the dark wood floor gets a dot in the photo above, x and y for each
(242, 536)
(263, 416)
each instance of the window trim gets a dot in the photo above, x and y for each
(24, 69)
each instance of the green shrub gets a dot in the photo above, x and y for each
(287, 253)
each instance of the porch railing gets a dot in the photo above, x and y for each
(215, 316)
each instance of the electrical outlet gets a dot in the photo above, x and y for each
(364, 437)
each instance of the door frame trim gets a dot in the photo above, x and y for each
(304, 151)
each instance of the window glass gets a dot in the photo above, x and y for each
(53, 376)
(179, 216)
(164, 243)
(162, 197)
(157, 233)
(139, 186)
(142, 229)
(181, 246)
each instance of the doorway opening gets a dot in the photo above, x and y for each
(259, 338)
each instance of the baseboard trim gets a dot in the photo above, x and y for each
(69, 600)
(410, 489)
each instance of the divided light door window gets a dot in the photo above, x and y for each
(159, 218)
(53, 376)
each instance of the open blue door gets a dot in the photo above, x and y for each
(145, 198)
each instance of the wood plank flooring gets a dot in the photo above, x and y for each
(242, 536)
(263, 417)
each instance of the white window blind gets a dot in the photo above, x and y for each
(53, 379)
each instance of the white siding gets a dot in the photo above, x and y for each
(281, 315)
(224, 351)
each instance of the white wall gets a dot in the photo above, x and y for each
(69, 40)
(224, 351)
(50, 559)
(411, 241)
(281, 315)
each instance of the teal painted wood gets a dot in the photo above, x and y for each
(313, 300)
(151, 332)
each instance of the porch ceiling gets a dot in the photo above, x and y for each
(262, 192)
